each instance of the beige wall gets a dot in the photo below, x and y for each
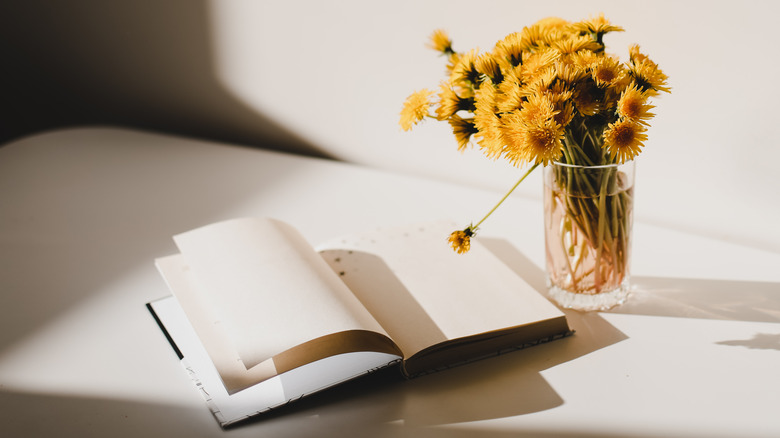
(328, 78)
(143, 63)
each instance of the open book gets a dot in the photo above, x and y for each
(259, 317)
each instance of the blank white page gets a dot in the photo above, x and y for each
(461, 294)
(235, 376)
(267, 286)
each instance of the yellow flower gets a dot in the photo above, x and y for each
(624, 140)
(564, 112)
(415, 108)
(607, 72)
(510, 96)
(596, 25)
(452, 62)
(588, 99)
(536, 61)
(510, 50)
(584, 60)
(491, 140)
(612, 96)
(535, 36)
(487, 122)
(540, 81)
(634, 55)
(538, 108)
(543, 142)
(463, 130)
(487, 65)
(441, 42)
(450, 102)
(560, 97)
(568, 72)
(460, 240)
(465, 71)
(552, 23)
(648, 77)
(574, 44)
(548, 89)
(633, 105)
(532, 140)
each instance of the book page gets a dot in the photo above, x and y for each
(382, 293)
(266, 288)
(212, 336)
(230, 407)
(451, 295)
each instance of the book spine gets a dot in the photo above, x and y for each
(522, 346)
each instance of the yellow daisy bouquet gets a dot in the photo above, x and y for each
(549, 94)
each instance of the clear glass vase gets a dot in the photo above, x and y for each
(588, 213)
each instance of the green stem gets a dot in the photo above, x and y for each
(567, 257)
(474, 228)
(602, 228)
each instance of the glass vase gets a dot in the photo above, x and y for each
(588, 213)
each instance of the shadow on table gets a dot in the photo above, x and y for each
(727, 300)
(759, 341)
(592, 332)
(703, 298)
(675, 297)
(46, 415)
(498, 387)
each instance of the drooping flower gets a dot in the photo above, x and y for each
(415, 108)
(624, 140)
(460, 240)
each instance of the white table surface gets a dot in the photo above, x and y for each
(83, 213)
